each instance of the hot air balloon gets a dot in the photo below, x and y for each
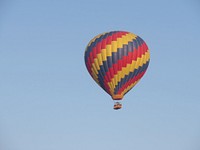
(117, 60)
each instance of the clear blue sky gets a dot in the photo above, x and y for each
(48, 100)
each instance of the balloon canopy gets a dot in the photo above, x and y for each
(117, 60)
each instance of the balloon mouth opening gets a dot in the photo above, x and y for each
(117, 97)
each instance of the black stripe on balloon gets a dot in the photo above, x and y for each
(89, 50)
(130, 76)
(113, 59)
(130, 47)
(137, 43)
(126, 50)
(93, 44)
(121, 52)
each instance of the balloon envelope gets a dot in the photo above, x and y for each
(117, 60)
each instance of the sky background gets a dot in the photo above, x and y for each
(48, 101)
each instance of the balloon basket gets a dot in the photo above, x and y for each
(117, 106)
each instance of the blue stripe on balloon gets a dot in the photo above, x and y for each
(93, 44)
(130, 47)
(130, 76)
(113, 59)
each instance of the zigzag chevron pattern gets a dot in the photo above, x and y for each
(117, 60)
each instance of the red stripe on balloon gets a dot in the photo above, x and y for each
(102, 45)
(131, 81)
(137, 53)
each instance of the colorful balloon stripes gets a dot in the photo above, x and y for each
(117, 60)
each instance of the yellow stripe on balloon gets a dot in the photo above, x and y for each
(94, 72)
(107, 52)
(95, 38)
(122, 41)
(96, 64)
(130, 87)
(103, 56)
(111, 86)
(135, 64)
(99, 58)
